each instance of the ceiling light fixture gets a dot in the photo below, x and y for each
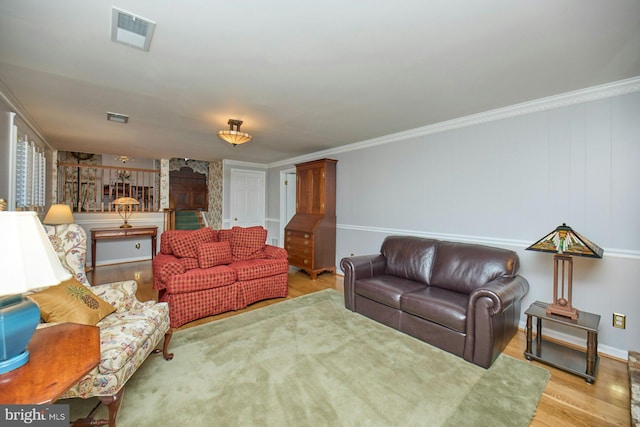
(117, 117)
(123, 159)
(234, 136)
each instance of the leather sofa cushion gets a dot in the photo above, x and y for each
(386, 289)
(446, 308)
(409, 257)
(463, 267)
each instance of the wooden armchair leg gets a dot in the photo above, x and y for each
(113, 405)
(165, 346)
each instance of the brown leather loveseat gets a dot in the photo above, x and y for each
(463, 298)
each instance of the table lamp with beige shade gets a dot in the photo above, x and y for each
(124, 206)
(59, 214)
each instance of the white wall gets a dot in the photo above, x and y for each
(507, 182)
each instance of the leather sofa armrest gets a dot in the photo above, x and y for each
(493, 314)
(359, 267)
(502, 292)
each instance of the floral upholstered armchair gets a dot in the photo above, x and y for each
(127, 335)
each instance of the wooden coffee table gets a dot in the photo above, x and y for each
(59, 356)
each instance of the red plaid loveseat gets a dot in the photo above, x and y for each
(205, 272)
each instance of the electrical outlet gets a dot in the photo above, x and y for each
(619, 320)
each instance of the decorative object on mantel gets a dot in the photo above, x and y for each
(28, 261)
(564, 242)
(124, 206)
(234, 136)
(59, 214)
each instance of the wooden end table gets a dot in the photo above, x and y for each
(582, 363)
(59, 356)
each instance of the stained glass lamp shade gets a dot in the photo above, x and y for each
(564, 242)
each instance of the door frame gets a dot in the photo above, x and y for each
(283, 203)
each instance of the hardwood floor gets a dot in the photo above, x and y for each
(567, 400)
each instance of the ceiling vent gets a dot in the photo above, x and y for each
(131, 30)
(117, 117)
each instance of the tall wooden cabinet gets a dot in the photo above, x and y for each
(310, 236)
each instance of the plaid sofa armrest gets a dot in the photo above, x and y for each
(275, 252)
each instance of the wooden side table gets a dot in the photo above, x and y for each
(582, 363)
(59, 356)
(121, 233)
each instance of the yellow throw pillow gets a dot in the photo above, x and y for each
(71, 301)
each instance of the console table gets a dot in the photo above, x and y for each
(121, 233)
(59, 356)
(582, 363)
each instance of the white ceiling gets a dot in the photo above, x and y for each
(304, 76)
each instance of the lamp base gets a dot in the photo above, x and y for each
(561, 310)
(125, 225)
(19, 317)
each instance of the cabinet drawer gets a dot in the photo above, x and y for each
(300, 261)
(298, 243)
(299, 234)
(302, 251)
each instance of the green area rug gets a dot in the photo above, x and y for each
(310, 362)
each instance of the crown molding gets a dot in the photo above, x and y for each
(227, 162)
(12, 102)
(608, 90)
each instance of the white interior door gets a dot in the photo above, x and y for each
(247, 198)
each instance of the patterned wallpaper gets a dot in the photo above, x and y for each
(164, 184)
(214, 216)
